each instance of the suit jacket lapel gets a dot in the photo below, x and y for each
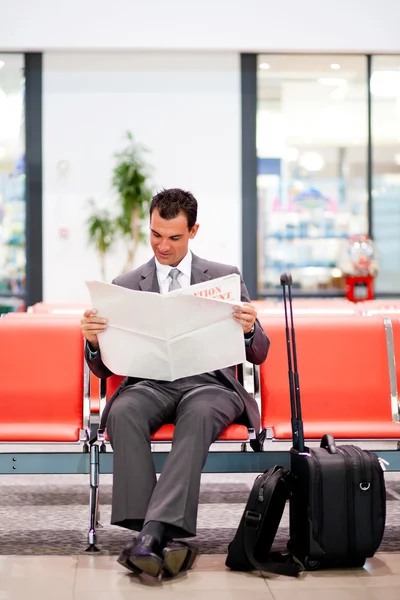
(199, 270)
(149, 281)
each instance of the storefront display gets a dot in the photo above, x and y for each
(312, 180)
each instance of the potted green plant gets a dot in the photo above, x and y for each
(130, 181)
(133, 194)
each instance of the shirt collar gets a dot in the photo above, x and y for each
(185, 266)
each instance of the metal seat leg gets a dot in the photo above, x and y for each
(94, 497)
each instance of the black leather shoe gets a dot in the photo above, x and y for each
(142, 555)
(178, 557)
(125, 562)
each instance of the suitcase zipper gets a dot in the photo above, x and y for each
(350, 500)
(317, 521)
(260, 496)
(364, 484)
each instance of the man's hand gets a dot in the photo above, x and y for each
(245, 315)
(91, 326)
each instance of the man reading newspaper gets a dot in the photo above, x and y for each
(201, 406)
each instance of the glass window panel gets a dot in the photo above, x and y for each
(12, 182)
(312, 166)
(385, 91)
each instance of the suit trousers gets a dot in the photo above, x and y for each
(201, 408)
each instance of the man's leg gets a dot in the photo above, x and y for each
(201, 416)
(137, 413)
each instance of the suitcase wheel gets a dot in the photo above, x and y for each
(311, 565)
(358, 563)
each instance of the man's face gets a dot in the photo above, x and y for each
(169, 238)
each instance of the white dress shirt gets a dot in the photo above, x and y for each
(164, 279)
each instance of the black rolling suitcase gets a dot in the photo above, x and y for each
(338, 501)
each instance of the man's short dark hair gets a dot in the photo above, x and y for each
(170, 203)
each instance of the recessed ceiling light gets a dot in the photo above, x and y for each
(264, 66)
(312, 161)
(2, 63)
(331, 81)
(335, 66)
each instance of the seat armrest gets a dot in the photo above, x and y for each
(86, 402)
(252, 382)
(103, 396)
(394, 395)
(256, 380)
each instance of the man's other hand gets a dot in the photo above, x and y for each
(91, 326)
(245, 315)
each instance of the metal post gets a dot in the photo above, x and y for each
(94, 497)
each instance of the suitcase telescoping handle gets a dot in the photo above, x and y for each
(294, 383)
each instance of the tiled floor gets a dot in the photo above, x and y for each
(101, 578)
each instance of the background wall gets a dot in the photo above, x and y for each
(113, 66)
(184, 107)
(229, 25)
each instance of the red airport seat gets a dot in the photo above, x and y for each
(233, 433)
(94, 381)
(41, 383)
(344, 379)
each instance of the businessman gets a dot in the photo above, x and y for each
(201, 406)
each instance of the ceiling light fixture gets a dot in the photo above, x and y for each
(335, 66)
(265, 66)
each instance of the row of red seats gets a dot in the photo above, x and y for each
(347, 364)
(348, 377)
(47, 393)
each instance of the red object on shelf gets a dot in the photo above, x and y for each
(359, 287)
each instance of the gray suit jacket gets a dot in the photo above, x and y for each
(145, 278)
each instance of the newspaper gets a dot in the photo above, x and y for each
(168, 336)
